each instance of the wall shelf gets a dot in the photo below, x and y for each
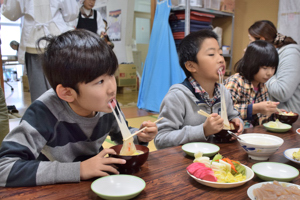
(217, 14)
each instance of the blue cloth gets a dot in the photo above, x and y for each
(162, 68)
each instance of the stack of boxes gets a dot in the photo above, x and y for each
(126, 78)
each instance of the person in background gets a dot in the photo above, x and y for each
(14, 45)
(90, 19)
(106, 38)
(201, 59)
(247, 86)
(60, 136)
(40, 18)
(284, 86)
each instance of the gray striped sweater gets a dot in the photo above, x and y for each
(50, 142)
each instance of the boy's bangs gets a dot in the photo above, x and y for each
(98, 63)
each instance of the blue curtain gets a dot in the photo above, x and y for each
(162, 68)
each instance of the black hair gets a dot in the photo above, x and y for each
(77, 56)
(266, 29)
(190, 46)
(258, 54)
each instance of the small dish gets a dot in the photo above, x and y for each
(283, 129)
(289, 154)
(207, 149)
(258, 185)
(249, 176)
(118, 187)
(270, 171)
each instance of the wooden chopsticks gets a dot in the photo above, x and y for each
(141, 130)
(226, 127)
(202, 112)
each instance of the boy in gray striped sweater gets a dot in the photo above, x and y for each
(60, 136)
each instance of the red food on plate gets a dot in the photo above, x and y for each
(199, 170)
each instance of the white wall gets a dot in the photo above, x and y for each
(123, 48)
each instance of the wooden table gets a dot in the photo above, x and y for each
(166, 177)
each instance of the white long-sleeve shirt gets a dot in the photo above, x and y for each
(41, 18)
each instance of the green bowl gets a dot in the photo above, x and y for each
(278, 130)
(270, 171)
(207, 149)
(118, 187)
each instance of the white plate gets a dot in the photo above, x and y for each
(270, 171)
(258, 185)
(289, 154)
(118, 187)
(249, 176)
(207, 149)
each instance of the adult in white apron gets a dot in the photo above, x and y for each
(41, 18)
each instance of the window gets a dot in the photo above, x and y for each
(10, 30)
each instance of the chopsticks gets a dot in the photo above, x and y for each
(202, 112)
(279, 111)
(205, 114)
(141, 130)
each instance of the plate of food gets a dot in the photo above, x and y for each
(293, 155)
(272, 190)
(277, 126)
(207, 149)
(219, 172)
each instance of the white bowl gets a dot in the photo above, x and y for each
(289, 154)
(207, 149)
(258, 185)
(118, 186)
(249, 176)
(270, 171)
(260, 146)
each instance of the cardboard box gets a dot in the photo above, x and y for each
(126, 89)
(126, 75)
(212, 4)
(228, 5)
(25, 83)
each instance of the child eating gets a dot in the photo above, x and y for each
(247, 87)
(201, 59)
(60, 136)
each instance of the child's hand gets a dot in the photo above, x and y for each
(148, 133)
(99, 165)
(266, 108)
(237, 123)
(213, 124)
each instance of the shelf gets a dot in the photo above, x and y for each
(217, 13)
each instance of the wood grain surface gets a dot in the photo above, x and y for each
(165, 175)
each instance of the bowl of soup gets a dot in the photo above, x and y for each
(260, 146)
(133, 162)
(286, 117)
(223, 136)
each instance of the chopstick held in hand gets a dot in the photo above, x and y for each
(141, 130)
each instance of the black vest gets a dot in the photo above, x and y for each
(87, 23)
